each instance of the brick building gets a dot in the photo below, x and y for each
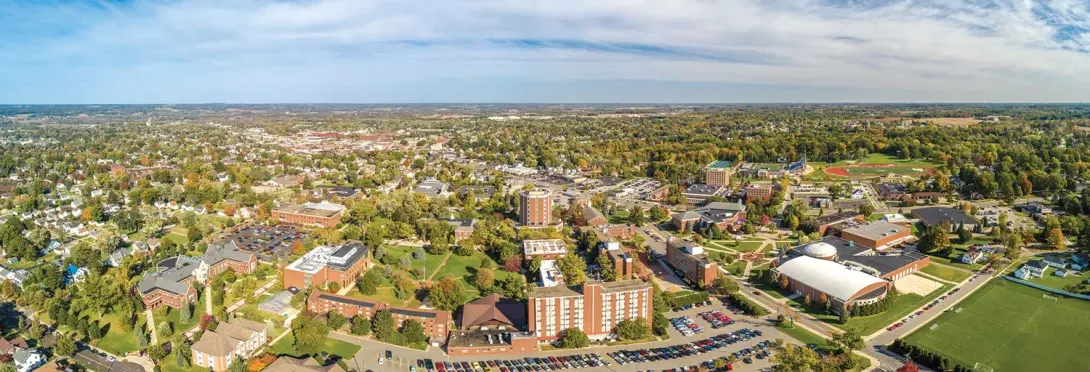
(594, 217)
(725, 216)
(535, 208)
(323, 265)
(759, 191)
(437, 323)
(171, 282)
(478, 342)
(463, 229)
(878, 235)
(718, 173)
(594, 308)
(623, 262)
(689, 259)
(324, 214)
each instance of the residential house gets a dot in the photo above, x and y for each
(972, 255)
(15, 276)
(118, 255)
(1080, 262)
(1035, 269)
(1055, 261)
(27, 360)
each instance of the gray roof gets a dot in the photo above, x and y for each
(1038, 264)
(932, 216)
(23, 355)
(714, 212)
(847, 251)
(702, 190)
(875, 230)
(169, 275)
(225, 251)
(590, 213)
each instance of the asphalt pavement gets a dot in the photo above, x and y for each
(368, 356)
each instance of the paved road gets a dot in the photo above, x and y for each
(367, 358)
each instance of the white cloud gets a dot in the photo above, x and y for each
(963, 50)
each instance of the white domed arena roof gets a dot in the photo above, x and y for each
(819, 250)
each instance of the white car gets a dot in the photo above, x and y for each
(381, 360)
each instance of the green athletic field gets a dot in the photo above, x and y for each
(1010, 327)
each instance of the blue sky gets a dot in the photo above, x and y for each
(647, 51)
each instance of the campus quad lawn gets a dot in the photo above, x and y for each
(904, 304)
(946, 272)
(286, 346)
(429, 264)
(737, 267)
(1011, 327)
(463, 266)
(742, 246)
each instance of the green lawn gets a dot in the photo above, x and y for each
(429, 263)
(772, 290)
(742, 246)
(946, 272)
(954, 259)
(884, 159)
(384, 294)
(462, 266)
(737, 267)
(809, 338)
(117, 340)
(1011, 327)
(198, 310)
(178, 239)
(170, 365)
(332, 346)
(904, 304)
(22, 265)
(1053, 281)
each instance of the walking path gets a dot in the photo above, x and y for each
(441, 264)
(151, 325)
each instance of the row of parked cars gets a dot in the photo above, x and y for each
(920, 312)
(552, 363)
(683, 350)
(686, 326)
(717, 318)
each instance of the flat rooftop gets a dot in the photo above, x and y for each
(558, 291)
(875, 230)
(481, 338)
(702, 190)
(624, 286)
(323, 209)
(543, 247)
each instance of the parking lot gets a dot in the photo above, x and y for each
(767, 334)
